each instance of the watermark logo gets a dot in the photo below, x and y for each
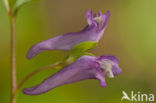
(138, 96)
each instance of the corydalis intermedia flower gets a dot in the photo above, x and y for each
(92, 32)
(86, 67)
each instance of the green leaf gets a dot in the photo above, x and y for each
(82, 47)
(79, 50)
(90, 54)
(19, 4)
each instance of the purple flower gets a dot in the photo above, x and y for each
(86, 67)
(92, 32)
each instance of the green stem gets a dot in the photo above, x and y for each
(13, 59)
(13, 51)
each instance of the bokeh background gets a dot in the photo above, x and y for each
(130, 35)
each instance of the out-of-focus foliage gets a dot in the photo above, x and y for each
(19, 3)
(130, 35)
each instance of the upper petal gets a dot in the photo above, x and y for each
(92, 32)
(62, 42)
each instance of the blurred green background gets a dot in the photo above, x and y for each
(130, 35)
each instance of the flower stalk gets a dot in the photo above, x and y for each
(37, 71)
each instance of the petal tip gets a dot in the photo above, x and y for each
(29, 91)
(108, 12)
(32, 52)
(87, 10)
(119, 72)
(103, 84)
(116, 70)
(28, 57)
(25, 91)
(88, 13)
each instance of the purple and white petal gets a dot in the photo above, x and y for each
(83, 68)
(92, 32)
(109, 64)
(86, 67)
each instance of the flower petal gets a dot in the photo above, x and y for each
(109, 64)
(101, 78)
(92, 32)
(116, 69)
(109, 57)
(89, 17)
(83, 68)
(62, 42)
(106, 17)
(100, 13)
